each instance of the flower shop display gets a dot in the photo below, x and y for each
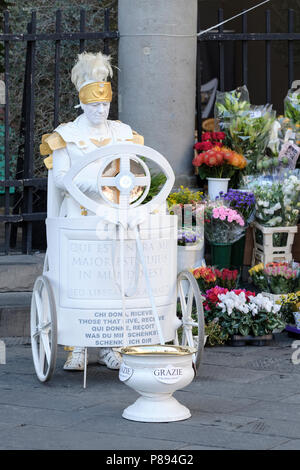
(209, 277)
(276, 278)
(222, 227)
(189, 208)
(277, 212)
(242, 313)
(218, 165)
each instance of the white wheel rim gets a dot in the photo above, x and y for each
(43, 329)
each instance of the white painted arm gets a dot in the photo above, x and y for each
(61, 166)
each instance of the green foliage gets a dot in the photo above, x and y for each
(216, 336)
(157, 181)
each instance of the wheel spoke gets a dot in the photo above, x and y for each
(41, 357)
(46, 345)
(107, 181)
(141, 180)
(39, 307)
(125, 163)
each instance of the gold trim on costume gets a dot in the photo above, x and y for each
(96, 91)
(51, 142)
(137, 138)
(100, 143)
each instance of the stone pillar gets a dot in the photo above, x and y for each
(157, 76)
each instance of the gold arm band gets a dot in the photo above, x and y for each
(94, 92)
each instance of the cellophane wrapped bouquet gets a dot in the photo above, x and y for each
(241, 200)
(277, 198)
(247, 127)
(292, 104)
(222, 225)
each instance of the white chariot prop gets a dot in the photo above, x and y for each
(110, 279)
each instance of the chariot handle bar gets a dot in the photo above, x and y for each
(125, 181)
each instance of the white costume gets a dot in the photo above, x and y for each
(70, 143)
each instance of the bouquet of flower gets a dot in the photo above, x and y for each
(184, 196)
(292, 105)
(209, 140)
(242, 312)
(231, 102)
(276, 278)
(222, 224)
(209, 277)
(242, 201)
(290, 303)
(259, 277)
(277, 199)
(187, 237)
(218, 162)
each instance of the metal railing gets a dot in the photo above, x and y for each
(267, 37)
(22, 213)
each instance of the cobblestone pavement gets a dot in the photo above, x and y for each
(242, 398)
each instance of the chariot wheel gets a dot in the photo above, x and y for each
(43, 326)
(190, 313)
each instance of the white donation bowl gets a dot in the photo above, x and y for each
(156, 372)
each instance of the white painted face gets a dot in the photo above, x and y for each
(96, 113)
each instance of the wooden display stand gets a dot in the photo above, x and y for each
(266, 252)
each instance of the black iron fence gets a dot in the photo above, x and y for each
(20, 213)
(245, 38)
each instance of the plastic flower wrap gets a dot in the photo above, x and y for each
(292, 105)
(231, 102)
(242, 312)
(276, 278)
(242, 201)
(222, 225)
(277, 199)
(218, 162)
(209, 277)
(248, 132)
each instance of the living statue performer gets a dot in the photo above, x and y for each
(72, 141)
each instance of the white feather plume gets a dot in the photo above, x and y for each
(91, 68)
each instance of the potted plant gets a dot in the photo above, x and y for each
(243, 315)
(290, 309)
(190, 249)
(223, 226)
(208, 277)
(189, 207)
(218, 164)
(275, 278)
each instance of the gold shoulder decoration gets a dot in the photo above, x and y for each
(51, 142)
(137, 138)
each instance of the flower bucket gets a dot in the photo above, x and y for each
(190, 256)
(216, 185)
(237, 252)
(221, 255)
